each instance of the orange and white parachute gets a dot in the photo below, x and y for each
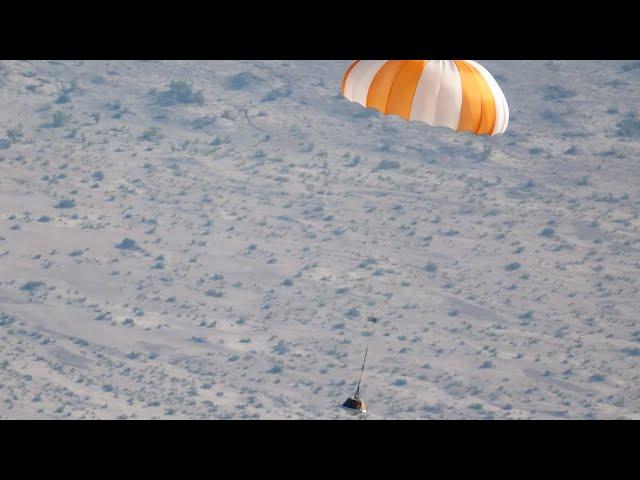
(459, 94)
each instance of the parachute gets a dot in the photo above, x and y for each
(458, 94)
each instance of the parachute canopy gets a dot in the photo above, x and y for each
(459, 94)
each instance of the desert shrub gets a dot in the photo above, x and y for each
(180, 93)
(629, 127)
(60, 119)
(127, 244)
(276, 94)
(630, 67)
(15, 134)
(215, 293)
(151, 134)
(276, 368)
(583, 182)
(547, 232)
(31, 286)
(352, 313)
(202, 122)
(66, 203)
(114, 106)
(431, 267)
(387, 165)
(554, 92)
(242, 81)
(63, 98)
(369, 261)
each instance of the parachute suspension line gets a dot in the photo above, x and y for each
(357, 395)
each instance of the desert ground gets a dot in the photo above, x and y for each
(207, 240)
